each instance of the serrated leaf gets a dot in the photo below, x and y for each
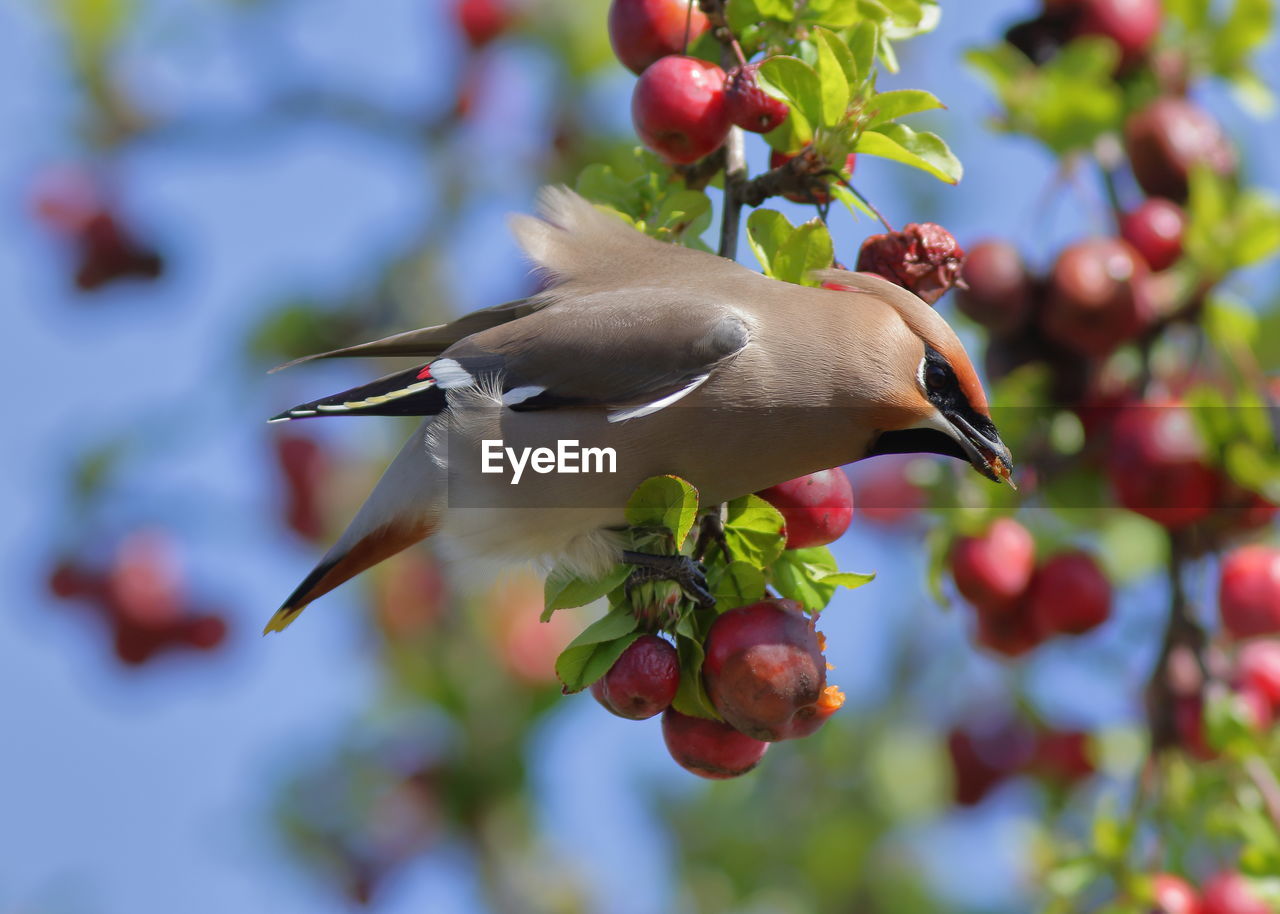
(889, 106)
(926, 151)
(664, 501)
(808, 248)
(753, 531)
(832, 79)
(590, 655)
(811, 576)
(797, 82)
(736, 584)
(563, 590)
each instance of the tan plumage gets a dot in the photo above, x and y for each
(680, 361)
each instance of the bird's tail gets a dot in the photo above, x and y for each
(404, 508)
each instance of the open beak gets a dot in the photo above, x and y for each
(987, 453)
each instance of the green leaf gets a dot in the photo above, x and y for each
(797, 82)
(862, 46)
(811, 576)
(741, 14)
(889, 106)
(834, 14)
(599, 184)
(781, 10)
(590, 655)
(767, 231)
(664, 501)
(851, 202)
(808, 248)
(563, 590)
(754, 531)
(736, 584)
(691, 695)
(925, 151)
(832, 78)
(1244, 30)
(1257, 228)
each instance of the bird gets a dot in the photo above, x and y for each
(677, 360)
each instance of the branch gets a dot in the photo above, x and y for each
(1182, 632)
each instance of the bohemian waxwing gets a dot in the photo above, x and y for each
(680, 361)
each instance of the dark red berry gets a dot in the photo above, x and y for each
(1167, 139)
(642, 31)
(642, 682)
(709, 748)
(992, 571)
(1069, 594)
(750, 107)
(1097, 300)
(1155, 230)
(817, 508)
(923, 258)
(999, 288)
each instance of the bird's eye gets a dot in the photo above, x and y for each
(935, 377)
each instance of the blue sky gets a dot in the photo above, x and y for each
(149, 792)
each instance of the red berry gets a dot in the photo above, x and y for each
(1069, 594)
(1174, 895)
(1062, 757)
(817, 508)
(992, 571)
(66, 198)
(642, 682)
(1000, 290)
(817, 192)
(1131, 24)
(709, 748)
(69, 580)
(983, 759)
(482, 20)
(1249, 591)
(203, 632)
(1011, 634)
(923, 258)
(109, 252)
(305, 467)
(1231, 893)
(642, 31)
(1098, 299)
(1188, 724)
(678, 108)
(750, 107)
(1156, 465)
(883, 491)
(1167, 138)
(145, 584)
(765, 672)
(1155, 230)
(1258, 669)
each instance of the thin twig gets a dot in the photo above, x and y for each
(735, 177)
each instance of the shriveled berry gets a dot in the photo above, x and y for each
(765, 671)
(750, 107)
(709, 748)
(924, 258)
(642, 682)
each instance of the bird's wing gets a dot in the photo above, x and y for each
(633, 360)
(429, 342)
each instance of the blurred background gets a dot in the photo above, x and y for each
(192, 191)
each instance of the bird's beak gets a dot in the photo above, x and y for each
(986, 452)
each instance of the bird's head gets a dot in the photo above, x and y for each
(931, 400)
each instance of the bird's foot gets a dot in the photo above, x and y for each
(711, 533)
(686, 572)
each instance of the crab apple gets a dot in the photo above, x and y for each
(1156, 467)
(817, 508)
(69, 580)
(884, 492)
(482, 20)
(1173, 895)
(710, 748)
(816, 192)
(1166, 139)
(109, 252)
(145, 584)
(305, 466)
(1069, 594)
(1155, 230)
(1010, 634)
(1231, 893)
(642, 31)
(679, 110)
(642, 682)
(1258, 669)
(750, 107)
(765, 672)
(982, 760)
(992, 570)
(1249, 591)
(1131, 24)
(204, 632)
(999, 288)
(1097, 299)
(924, 258)
(1062, 756)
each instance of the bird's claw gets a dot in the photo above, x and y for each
(683, 570)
